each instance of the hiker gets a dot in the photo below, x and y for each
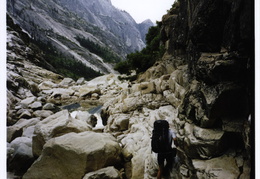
(162, 144)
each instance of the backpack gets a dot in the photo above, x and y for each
(160, 137)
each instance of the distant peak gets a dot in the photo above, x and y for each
(147, 21)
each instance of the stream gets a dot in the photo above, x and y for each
(75, 107)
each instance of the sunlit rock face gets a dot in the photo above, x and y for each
(81, 153)
(60, 24)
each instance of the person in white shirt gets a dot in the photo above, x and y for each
(168, 156)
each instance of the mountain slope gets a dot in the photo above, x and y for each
(60, 23)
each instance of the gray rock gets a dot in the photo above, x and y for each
(80, 81)
(25, 114)
(78, 153)
(60, 95)
(36, 105)
(144, 87)
(42, 113)
(46, 85)
(109, 173)
(66, 82)
(221, 167)
(48, 106)
(55, 125)
(22, 157)
(120, 123)
(203, 143)
(28, 101)
(13, 132)
(28, 132)
(21, 125)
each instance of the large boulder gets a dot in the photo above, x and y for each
(36, 105)
(75, 154)
(56, 125)
(135, 147)
(87, 90)
(66, 82)
(203, 143)
(61, 95)
(118, 122)
(27, 101)
(137, 101)
(222, 167)
(47, 85)
(144, 87)
(18, 129)
(42, 113)
(20, 156)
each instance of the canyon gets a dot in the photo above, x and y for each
(203, 86)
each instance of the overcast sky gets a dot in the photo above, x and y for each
(141, 10)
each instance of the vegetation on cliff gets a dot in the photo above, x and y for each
(140, 61)
(103, 52)
(65, 65)
(50, 58)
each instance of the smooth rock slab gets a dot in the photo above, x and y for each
(21, 125)
(56, 125)
(75, 154)
(36, 105)
(108, 173)
(42, 113)
(217, 168)
(21, 158)
(28, 101)
(203, 143)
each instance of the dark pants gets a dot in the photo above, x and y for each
(169, 157)
(165, 156)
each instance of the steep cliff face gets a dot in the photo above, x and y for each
(62, 23)
(102, 14)
(210, 60)
(215, 40)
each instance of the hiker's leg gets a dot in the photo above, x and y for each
(160, 160)
(160, 172)
(169, 160)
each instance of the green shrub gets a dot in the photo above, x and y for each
(141, 61)
(64, 65)
(123, 67)
(105, 53)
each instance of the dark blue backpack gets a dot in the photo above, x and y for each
(160, 137)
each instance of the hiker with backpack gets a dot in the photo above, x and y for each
(162, 138)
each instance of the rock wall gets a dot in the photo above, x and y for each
(203, 86)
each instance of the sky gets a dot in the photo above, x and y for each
(141, 10)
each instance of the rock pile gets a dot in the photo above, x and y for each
(43, 129)
(48, 123)
(36, 122)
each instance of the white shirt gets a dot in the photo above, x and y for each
(172, 135)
